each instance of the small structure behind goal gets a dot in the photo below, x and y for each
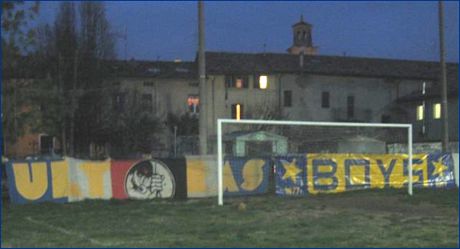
(321, 128)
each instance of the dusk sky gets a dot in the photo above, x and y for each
(168, 30)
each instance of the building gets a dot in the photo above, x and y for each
(299, 85)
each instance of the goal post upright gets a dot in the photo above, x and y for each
(220, 122)
(220, 181)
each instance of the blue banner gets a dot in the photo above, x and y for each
(245, 176)
(291, 175)
(37, 181)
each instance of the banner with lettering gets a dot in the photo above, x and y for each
(89, 179)
(333, 173)
(245, 176)
(38, 181)
(73, 179)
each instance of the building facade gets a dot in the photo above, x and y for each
(299, 85)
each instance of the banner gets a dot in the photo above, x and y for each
(89, 179)
(241, 176)
(334, 173)
(291, 175)
(149, 179)
(245, 176)
(37, 181)
(201, 176)
(73, 179)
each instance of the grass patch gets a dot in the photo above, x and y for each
(387, 218)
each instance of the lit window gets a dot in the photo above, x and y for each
(237, 111)
(193, 102)
(239, 83)
(437, 111)
(420, 112)
(263, 82)
(232, 81)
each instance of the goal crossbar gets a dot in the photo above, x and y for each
(304, 123)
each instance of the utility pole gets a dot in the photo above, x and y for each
(73, 105)
(202, 82)
(62, 102)
(445, 120)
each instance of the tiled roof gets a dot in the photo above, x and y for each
(155, 69)
(224, 63)
(249, 63)
(30, 67)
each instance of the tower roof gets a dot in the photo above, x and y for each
(301, 22)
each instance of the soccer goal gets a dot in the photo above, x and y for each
(311, 157)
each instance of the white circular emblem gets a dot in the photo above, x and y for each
(149, 180)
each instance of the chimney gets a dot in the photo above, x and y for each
(301, 58)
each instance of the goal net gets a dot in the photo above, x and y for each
(301, 158)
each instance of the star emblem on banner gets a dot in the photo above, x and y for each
(291, 170)
(439, 167)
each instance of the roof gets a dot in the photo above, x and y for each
(226, 62)
(31, 67)
(155, 69)
(253, 134)
(250, 63)
(301, 22)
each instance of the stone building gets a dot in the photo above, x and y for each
(299, 85)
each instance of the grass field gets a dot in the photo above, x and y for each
(388, 218)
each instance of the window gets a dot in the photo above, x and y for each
(350, 106)
(236, 81)
(261, 82)
(437, 111)
(325, 100)
(147, 102)
(420, 112)
(119, 102)
(148, 83)
(237, 111)
(193, 103)
(287, 98)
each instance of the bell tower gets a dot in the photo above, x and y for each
(302, 41)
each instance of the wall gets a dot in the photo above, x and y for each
(255, 102)
(433, 127)
(371, 96)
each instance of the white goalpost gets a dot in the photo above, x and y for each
(221, 122)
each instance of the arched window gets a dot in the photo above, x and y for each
(304, 36)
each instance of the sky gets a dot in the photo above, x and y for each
(169, 30)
